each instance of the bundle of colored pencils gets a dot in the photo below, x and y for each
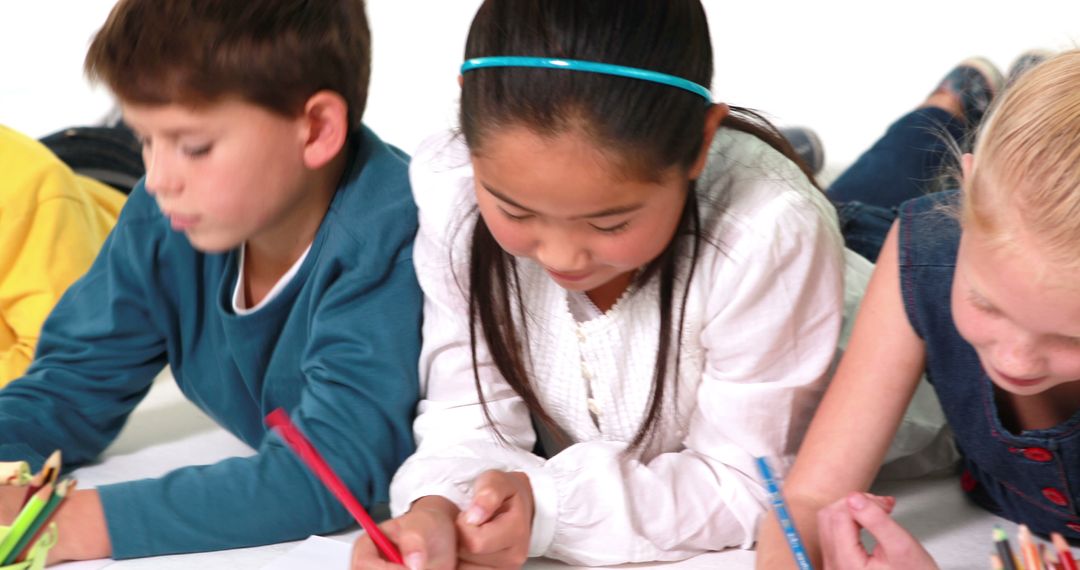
(1032, 555)
(45, 494)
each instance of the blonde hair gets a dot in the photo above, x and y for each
(1025, 178)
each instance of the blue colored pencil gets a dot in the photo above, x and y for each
(791, 534)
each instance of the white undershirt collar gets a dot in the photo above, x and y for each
(239, 301)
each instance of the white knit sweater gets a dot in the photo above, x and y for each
(764, 313)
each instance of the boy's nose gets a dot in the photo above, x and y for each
(161, 178)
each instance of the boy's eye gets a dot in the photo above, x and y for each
(611, 229)
(1071, 341)
(197, 151)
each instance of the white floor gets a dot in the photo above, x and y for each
(844, 67)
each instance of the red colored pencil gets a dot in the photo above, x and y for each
(1064, 554)
(303, 448)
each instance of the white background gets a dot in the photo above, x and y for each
(845, 68)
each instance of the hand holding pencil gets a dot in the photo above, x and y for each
(42, 497)
(426, 536)
(306, 452)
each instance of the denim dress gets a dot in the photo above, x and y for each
(1030, 477)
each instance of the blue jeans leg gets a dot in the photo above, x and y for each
(904, 163)
(908, 161)
(864, 227)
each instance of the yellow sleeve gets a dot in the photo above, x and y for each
(49, 236)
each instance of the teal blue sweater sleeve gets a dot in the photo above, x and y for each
(97, 355)
(362, 428)
(337, 348)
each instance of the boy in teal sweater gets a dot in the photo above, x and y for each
(266, 259)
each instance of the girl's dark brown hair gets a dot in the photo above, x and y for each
(647, 128)
(274, 53)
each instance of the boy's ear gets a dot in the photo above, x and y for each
(713, 117)
(326, 127)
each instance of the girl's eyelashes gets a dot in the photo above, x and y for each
(611, 229)
(604, 229)
(515, 217)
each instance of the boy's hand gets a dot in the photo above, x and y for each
(82, 534)
(494, 531)
(81, 530)
(425, 537)
(10, 502)
(838, 528)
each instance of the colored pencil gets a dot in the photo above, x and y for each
(1028, 551)
(24, 519)
(791, 534)
(303, 448)
(1001, 542)
(50, 470)
(22, 548)
(1064, 553)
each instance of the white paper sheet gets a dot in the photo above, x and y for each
(83, 565)
(315, 552)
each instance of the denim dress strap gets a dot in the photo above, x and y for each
(1029, 477)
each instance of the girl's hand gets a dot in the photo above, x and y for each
(494, 531)
(425, 537)
(839, 525)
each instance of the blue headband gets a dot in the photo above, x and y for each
(590, 66)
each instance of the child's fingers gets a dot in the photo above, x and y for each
(506, 558)
(424, 547)
(463, 565)
(413, 549)
(873, 517)
(886, 502)
(366, 556)
(895, 544)
(491, 489)
(839, 535)
(508, 533)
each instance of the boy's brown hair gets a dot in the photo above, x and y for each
(273, 53)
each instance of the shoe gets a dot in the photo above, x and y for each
(975, 82)
(807, 146)
(1026, 61)
(111, 155)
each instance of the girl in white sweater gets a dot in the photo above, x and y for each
(610, 259)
